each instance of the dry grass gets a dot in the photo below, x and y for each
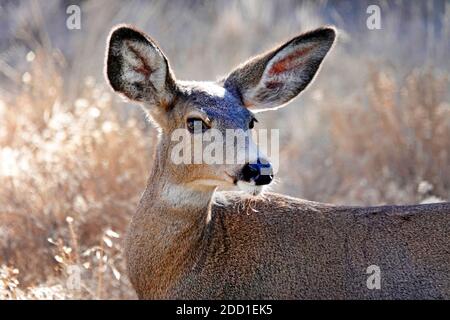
(384, 147)
(74, 159)
(68, 187)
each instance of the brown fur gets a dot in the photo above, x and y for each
(286, 248)
(183, 244)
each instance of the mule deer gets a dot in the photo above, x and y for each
(182, 244)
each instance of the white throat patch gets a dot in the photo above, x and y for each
(179, 196)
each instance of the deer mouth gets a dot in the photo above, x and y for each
(249, 188)
(231, 178)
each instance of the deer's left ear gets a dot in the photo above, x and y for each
(271, 80)
(136, 67)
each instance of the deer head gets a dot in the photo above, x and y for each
(137, 68)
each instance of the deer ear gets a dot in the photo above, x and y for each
(272, 79)
(137, 68)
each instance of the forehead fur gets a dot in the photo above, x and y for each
(216, 102)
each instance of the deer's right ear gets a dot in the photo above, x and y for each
(271, 80)
(137, 68)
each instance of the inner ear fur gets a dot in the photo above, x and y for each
(137, 68)
(272, 79)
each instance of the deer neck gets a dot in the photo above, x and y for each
(170, 190)
(168, 230)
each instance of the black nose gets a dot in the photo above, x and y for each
(261, 172)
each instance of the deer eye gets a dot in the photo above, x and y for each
(194, 125)
(251, 125)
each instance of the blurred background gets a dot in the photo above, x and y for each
(373, 129)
